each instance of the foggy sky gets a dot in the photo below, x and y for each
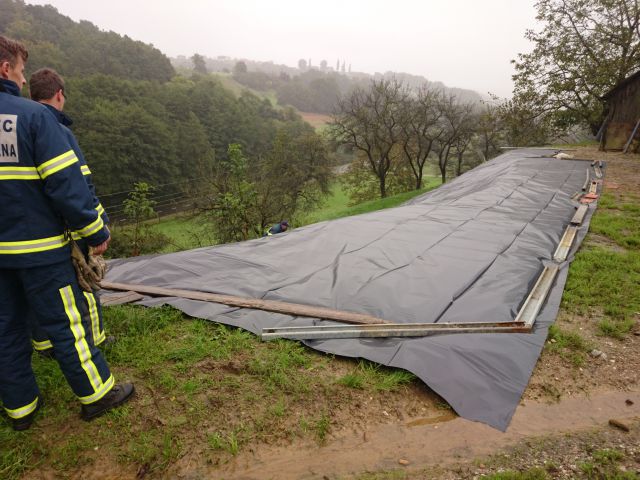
(463, 43)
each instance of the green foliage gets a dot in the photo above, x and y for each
(77, 49)
(581, 51)
(139, 238)
(292, 178)
(235, 202)
(361, 184)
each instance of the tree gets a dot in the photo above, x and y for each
(249, 195)
(239, 68)
(585, 47)
(421, 127)
(489, 131)
(199, 64)
(234, 201)
(138, 208)
(369, 121)
(455, 119)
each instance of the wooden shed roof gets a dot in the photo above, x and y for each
(622, 84)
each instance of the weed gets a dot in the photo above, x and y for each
(279, 408)
(321, 428)
(371, 375)
(228, 443)
(570, 345)
(607, 456)
(616, 328)
(17, 453)
(352, 380)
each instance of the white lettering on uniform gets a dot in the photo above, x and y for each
(8, 138)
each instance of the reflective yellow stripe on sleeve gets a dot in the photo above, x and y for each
(56, 164)
(22, 411)
(81, 345)
(100, 209)
(85, 170)
(92, 228)
(19, 173)
(32, 246)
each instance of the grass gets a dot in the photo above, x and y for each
(337, 205)
(372, 376)
(606, 277)
(193, 231)
(569, 345)
(202, 387)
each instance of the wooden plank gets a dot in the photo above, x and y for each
(254, 303)
(119, 298)
(578, 217)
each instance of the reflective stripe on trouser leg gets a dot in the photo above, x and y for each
(43, 345)
(18, 388)
(57, 300)
(39, 338)
(97, 333)
(82, 347)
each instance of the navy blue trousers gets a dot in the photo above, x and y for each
(51, 293)
(95, 334)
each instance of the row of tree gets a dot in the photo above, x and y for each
(395, 129)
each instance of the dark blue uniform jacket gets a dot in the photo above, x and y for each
(43, 192)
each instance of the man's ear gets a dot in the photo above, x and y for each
(4, 69)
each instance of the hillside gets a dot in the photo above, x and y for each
(73, 48)
(135, 119)
(310, 89)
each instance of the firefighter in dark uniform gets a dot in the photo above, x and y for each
(43, 194)
(46, 86)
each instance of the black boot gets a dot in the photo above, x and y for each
(21, 424)
(118, 395)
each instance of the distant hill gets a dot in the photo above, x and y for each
(77, 49)
(311, 89)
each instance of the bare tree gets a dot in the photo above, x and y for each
(370, 122)
(489, 131)
(420, 128)
(455, 118)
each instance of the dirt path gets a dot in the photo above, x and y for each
(421, 442)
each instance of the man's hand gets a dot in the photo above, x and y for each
(100, 249)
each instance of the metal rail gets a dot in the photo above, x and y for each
(565, 244)
(390, 330)
(535, 300)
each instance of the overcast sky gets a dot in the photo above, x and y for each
(463, 43)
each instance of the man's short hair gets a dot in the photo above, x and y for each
(44, 84)
(10, 50)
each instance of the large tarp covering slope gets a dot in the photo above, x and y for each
(468, 251)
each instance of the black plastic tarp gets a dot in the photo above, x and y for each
(468, 251)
